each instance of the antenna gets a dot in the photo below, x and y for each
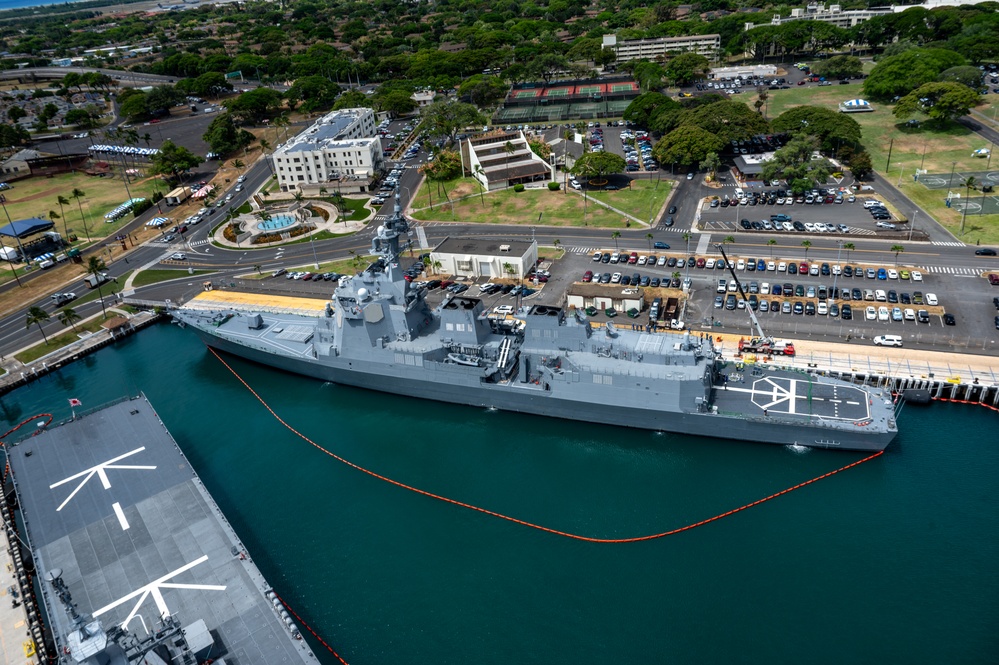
(752, 314)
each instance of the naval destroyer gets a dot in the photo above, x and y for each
(378, 332)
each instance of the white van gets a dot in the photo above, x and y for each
(722, 286)
(888, 340)
(880, 295)
(739, 194)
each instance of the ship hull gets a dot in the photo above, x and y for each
(528, 399)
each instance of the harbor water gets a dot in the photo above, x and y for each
(890, 561)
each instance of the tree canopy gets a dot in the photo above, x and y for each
(941, 101)
(315, 93)
(172, 160)
(900, 74)
(254, 105)
(796, 162)
(595, 165)
(446, 118)
(224, 137)
(643, 108)
(839, 67)
(832, 129)
(688, 145)
(686, 67)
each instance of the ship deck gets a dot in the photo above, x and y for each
(758, 392)
(111, 500)
(256, 302)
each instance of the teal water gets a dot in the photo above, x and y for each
(893, 561)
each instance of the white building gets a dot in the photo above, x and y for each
(474, 258)
(500, 159)
(636, 49)
(424, 97)
(834, 14)
(340, 145)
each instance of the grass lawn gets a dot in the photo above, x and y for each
(936, 149)
(57, 341)
(560, 208)
(35, 197)
(147, 277)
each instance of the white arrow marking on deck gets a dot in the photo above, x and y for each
(153, 589)
(100, 471)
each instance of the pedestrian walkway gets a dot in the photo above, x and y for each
(948, 243)
(16, 645)
(951, 270)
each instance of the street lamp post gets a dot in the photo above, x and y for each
(3, 202)
(912, 223)
(312, 241)
(950, 181)
(839, 249)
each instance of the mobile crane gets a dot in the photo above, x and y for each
(762, 343)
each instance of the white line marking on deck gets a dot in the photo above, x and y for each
(121, 515)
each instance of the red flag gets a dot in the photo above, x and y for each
(75, 402)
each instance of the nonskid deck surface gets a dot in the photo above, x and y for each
(759, 392)
(110, 501)
(256, 302)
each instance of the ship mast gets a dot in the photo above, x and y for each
(752, 315)
(386, 241)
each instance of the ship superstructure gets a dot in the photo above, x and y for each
(378, 332)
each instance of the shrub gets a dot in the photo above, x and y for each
(518, 187)
(553, 186)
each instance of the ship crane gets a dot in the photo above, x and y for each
(762, 343)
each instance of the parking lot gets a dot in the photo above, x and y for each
(969, 301)
(857, 219)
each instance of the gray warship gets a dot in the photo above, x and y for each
(378, 332)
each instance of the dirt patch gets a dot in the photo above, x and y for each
(40, 195)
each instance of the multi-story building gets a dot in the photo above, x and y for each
(637, 49)
(834, 14)
(341, 145)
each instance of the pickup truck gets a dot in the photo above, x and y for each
(60, 299)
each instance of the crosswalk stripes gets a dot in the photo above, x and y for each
(198, 243)
(950, 270)
(947, 243)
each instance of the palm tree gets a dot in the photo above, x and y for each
(437, 265)
(68, 317)
(686, 238)
(78, 194)
(772, 242)
(806, 244)
(53, 215)
(509, 150)
(238, 165)
(898, 249)
(62, 200)
(299, 196)
(147, 138)
(257, 268)
(649, 236)
(849, 246)
(265, 145)
(95, 266)
(37, 316)
(556, 243)
(614, 237)
(323, 191)
(968, 185)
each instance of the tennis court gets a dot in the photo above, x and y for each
(588, 90)
(630, 86)
(558, 92)
(529, 93)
